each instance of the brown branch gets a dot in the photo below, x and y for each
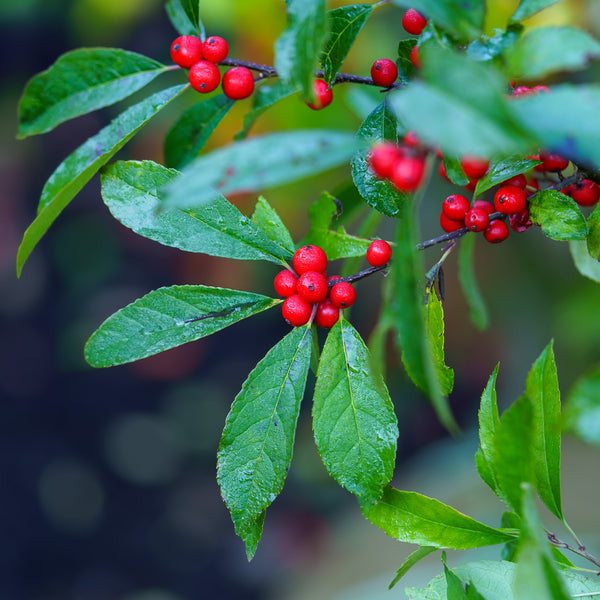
(580, 551)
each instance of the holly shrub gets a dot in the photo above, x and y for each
(453, 103)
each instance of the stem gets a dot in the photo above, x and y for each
(580, 551)
(359, 275)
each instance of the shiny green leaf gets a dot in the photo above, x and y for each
(353, 417)
(411, 560)
(488, 48)
(593, 238)
(270, 222)
(255, 451)
(435, 332)
(169, 317)
(218, 228)
(185, 17)
(582, 413)
(80, 82)
(345, 24)
(454, 586)
(405, 67)
(252, 533)
(527, 8)
(558, 215)
(411, 517)
(589, 267)
(454, 170)
(188, 136)
(79, 167)
(466, 275)
(502, 169)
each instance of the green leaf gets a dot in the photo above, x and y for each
(589, 267)
(405, 67)
(410, 319)
(411, 560)
(454, 170)
(411, 517)
(79, 167)
(558, 215)
(549, 49)
(582, 413)
(353, 417)
(502, 169)
(593, 238)
(298, 48)
(463, 19)
(345, 24)
(259, 163)
(479, 123)
(255, 451)
(169, 317)
(527, 8)
(488, 48)
(252, 533)
(188, 136)
(265, 97)
(466, 274)
(454, 586)
(80, 82)
(130, 190)
(380, 125)
(435, 332)
(335, 242)
(185, 17)
(544, 395)
(269, 221)
(565, 120)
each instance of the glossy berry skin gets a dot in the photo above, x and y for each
(407, 173)
(379, 253)
(238, 83)
(323, 95)
(312, 286)
(296, 310)
(455, 207)
(519, 181)
(285, 283)
(384, 72)
(414, 57)
(520, 221)
(309, 258)
(553, 162)
(487, 206)
(450, 225)
(496, 231)
(474, 167)
(477, 219)
(382, 158)
(510, 199)
(342, 294)
(327, 314)
(413, 22)
(186, 50)
(215, 49)
(204, 76)
(586, 193)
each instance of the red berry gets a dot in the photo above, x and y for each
(342, 294)
(487, 206)
(477, 219)
(238, 83)
(496, 231)
(215, 49)
(553, 162)
(414, 58)
(536, 89)
(309, 258)
(204, 76)
(285, 283)
(407, 173)
(520, 221)
(296, 310)
(519, 181)
(323, 95)
(455, 207)
(312, 286)
(327, 314)
(411, 139)
(413, 22)
(382, 158)
(522, 90)
(333, 278)
(585, 193)
(442, 172)
(474, 167)
(186, 50)
(379, 253)
(450, 225)
(532, 183)
(384, 72)
(510, 199)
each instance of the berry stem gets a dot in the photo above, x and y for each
(580, 550)
(360, 275)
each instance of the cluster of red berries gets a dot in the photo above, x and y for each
(202, 57)
(308, 290)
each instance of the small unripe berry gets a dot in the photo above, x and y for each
(342, 294)
(204, 76)
(414, 57)
(309, 258)
(215, 49)
(477, 219)
(312, 286)
(327, 314)
(238, 83)
(323, 95)
(586, 193)
(496, 231)
(509, 200)
(186, 50)
(413, 22)
(474, 167)
(450, 225)
(379, 253)
(382, 158)
(384, 72)
(407, 173)
(285, 283)
(296, 310)
(455, 207)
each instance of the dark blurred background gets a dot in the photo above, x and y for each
(108, 476)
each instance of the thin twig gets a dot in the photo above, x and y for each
(581, 551)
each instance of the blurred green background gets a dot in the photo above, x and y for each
(108, 476)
